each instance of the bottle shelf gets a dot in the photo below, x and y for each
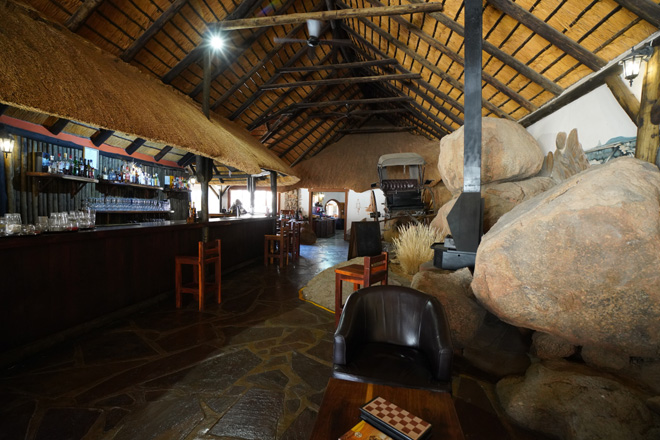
(46, 178)
(129, 185)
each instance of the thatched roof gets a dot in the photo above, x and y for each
(50, 70)
(352, 163)
(534, 52)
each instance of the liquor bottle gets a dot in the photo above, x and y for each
(194, 212)
(84, 168)
(52, 164)
(104, 176)
(58, 164)
(74, 166)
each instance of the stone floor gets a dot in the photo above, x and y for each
(254, 367)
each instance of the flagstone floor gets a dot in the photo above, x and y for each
(254, 367)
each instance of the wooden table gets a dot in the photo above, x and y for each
(340, 408)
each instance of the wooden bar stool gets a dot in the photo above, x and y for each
(373, 270)
(294, 240)
(277, 246)
(208, 254)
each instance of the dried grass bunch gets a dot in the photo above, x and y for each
(413, 245)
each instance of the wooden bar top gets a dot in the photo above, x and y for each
(340, 408)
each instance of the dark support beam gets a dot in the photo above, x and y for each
(152, 30)
(644, 9)
(318, 141)
(57, 127)
(473, 99)
(498, 53)
(354, 65)
(623, 95)
(79, 17)
(186, 159)
(492, 81)
(301, 139)
(356, 113)
(3, 109)
(206, 81)
(335, 81)
(166, 149)
(556, 38)
(273, 192)
(337, 14)
(244, 9)
(101, 136)
(364, 101)
(648, 133)
(133, 147)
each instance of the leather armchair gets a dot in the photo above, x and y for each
(394, 335)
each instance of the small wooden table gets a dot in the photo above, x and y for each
(340, 408)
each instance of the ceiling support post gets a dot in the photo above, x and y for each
(273, 192)
(648, 133)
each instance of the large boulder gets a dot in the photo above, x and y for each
(508, 153)
(580, 261)
(570, 401)
(453, 291)
(499, 198)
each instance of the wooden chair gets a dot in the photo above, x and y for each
(373, 270)
(208, 254)
(277, 246)
(294, 240)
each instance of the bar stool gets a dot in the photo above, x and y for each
(208, 254)
(294, 240)
(373, 270)
(277, 246)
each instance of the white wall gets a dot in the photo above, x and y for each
(597, 116)
(357, 204)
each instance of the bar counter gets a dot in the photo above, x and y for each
(54, 282)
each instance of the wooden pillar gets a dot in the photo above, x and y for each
(623, 95)
(251, 183)
(648, 133)
(204, 177)
(273, 192)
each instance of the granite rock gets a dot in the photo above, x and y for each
(546, 346)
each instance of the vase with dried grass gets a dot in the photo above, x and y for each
(413, 245)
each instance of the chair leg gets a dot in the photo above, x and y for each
(177, 280)
(338, 306)
(266, 251)
(218, 279)
(201, 286)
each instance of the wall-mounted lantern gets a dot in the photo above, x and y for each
(632, 62)
(6, 145)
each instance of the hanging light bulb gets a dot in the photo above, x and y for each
(216, 42)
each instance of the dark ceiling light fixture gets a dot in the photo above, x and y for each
(632, 62)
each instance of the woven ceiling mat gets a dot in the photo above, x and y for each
(55, 72)
(353, 161)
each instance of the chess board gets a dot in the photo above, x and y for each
(395, 421)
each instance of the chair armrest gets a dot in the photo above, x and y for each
(349, 333)
(435, 340)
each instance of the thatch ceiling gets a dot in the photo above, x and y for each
(533, 51)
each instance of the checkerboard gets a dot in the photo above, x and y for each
(399, 422)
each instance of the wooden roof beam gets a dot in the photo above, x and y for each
(431, 67)
(79, 17)
(134, 146)
(498, 53)
(3, 108)
(244, 8)
(337, 14)
(315, 143)
(101, 136)
(152, 30)
(352, 102)
(429, 88)
(357, 64)
(300, 139)
(186, 159)
(166, 149)
(489, 79)
(644, 9)
(230, 56)
(349, 81)
(554, 37)
(370, 130)
(264, 115)
(57, 127)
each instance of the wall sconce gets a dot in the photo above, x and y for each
(632, 62)
(6, 146)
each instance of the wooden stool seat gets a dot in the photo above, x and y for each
(276, 246)
(373, 270)
(208, 254)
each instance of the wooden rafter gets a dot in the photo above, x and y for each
(166, 149)
(556, 38)
(431, 67)
(353, 65)
(152, 30)
(79, 17)
(494, 82)
(369, 130)
(496, 52)
(337, 14)
(57, 127)
(644, 9)
(344, 80)
(134, 146)
(101, 136)
(351, 102)
(244, 9)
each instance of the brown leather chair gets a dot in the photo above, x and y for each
(208, 254)
(374, 270)
(394, 335)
